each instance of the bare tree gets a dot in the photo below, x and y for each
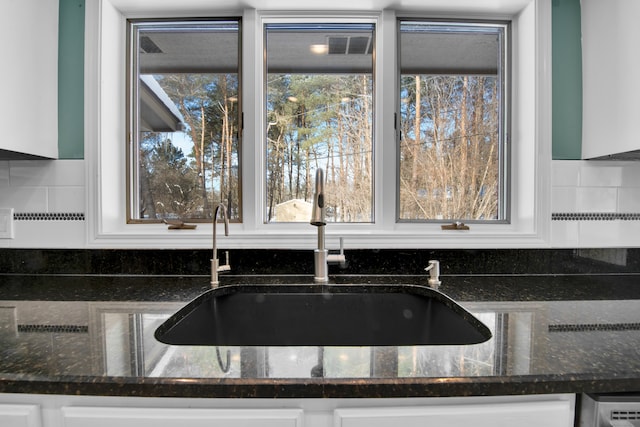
(449, 154)
(330, 116)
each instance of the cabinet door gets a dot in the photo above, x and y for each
(524, 414)
(183, 417)
(610, 64)
(29, 76)
(19, 416)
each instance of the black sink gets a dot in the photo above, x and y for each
(314, 315)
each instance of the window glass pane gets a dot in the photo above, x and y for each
(185, 113)
(452, 121)
(319, 107)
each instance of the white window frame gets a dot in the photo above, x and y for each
(299, 231)
(105, 131)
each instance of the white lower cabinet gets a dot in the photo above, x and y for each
(19, 415)
(180, 417)
(521, 414)
(26, 410)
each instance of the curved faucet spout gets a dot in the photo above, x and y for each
(215, 264)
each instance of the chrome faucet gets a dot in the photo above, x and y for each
(215, 264)
(321, 253)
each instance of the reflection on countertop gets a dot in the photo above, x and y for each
(94, 335)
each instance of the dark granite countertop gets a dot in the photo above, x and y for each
(93, 335)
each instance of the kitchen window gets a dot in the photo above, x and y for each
(184, 119)
(240, 169)
(453, 124)
(319, 114)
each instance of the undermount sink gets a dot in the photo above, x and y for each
(329, 315)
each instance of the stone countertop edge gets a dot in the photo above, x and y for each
(321, 388)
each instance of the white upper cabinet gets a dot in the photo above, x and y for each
(29, 76)
(610, 68)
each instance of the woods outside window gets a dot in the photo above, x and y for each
(184, 118)
(319, 114)
(453, 122)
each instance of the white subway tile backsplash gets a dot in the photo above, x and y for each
(596, 199)
(601, 174)
(25, 199)
(563, 199)
(4, 173)
(6, 223)
(49, 234)
(598, 234)
(595, 204)
(30, 173)
(564, 234)
(631, 174)
(565, 173)
(629, 199)
(66, 199)
(47, 172)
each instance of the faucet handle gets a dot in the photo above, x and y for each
(338, 258)
(225, 266)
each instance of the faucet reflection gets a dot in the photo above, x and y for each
(215, 264)
(321, 253)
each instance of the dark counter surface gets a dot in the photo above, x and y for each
(93, 335)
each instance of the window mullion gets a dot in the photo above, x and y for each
(386, 187)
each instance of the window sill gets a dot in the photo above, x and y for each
(304, 236)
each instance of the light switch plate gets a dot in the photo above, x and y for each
(6, 223)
